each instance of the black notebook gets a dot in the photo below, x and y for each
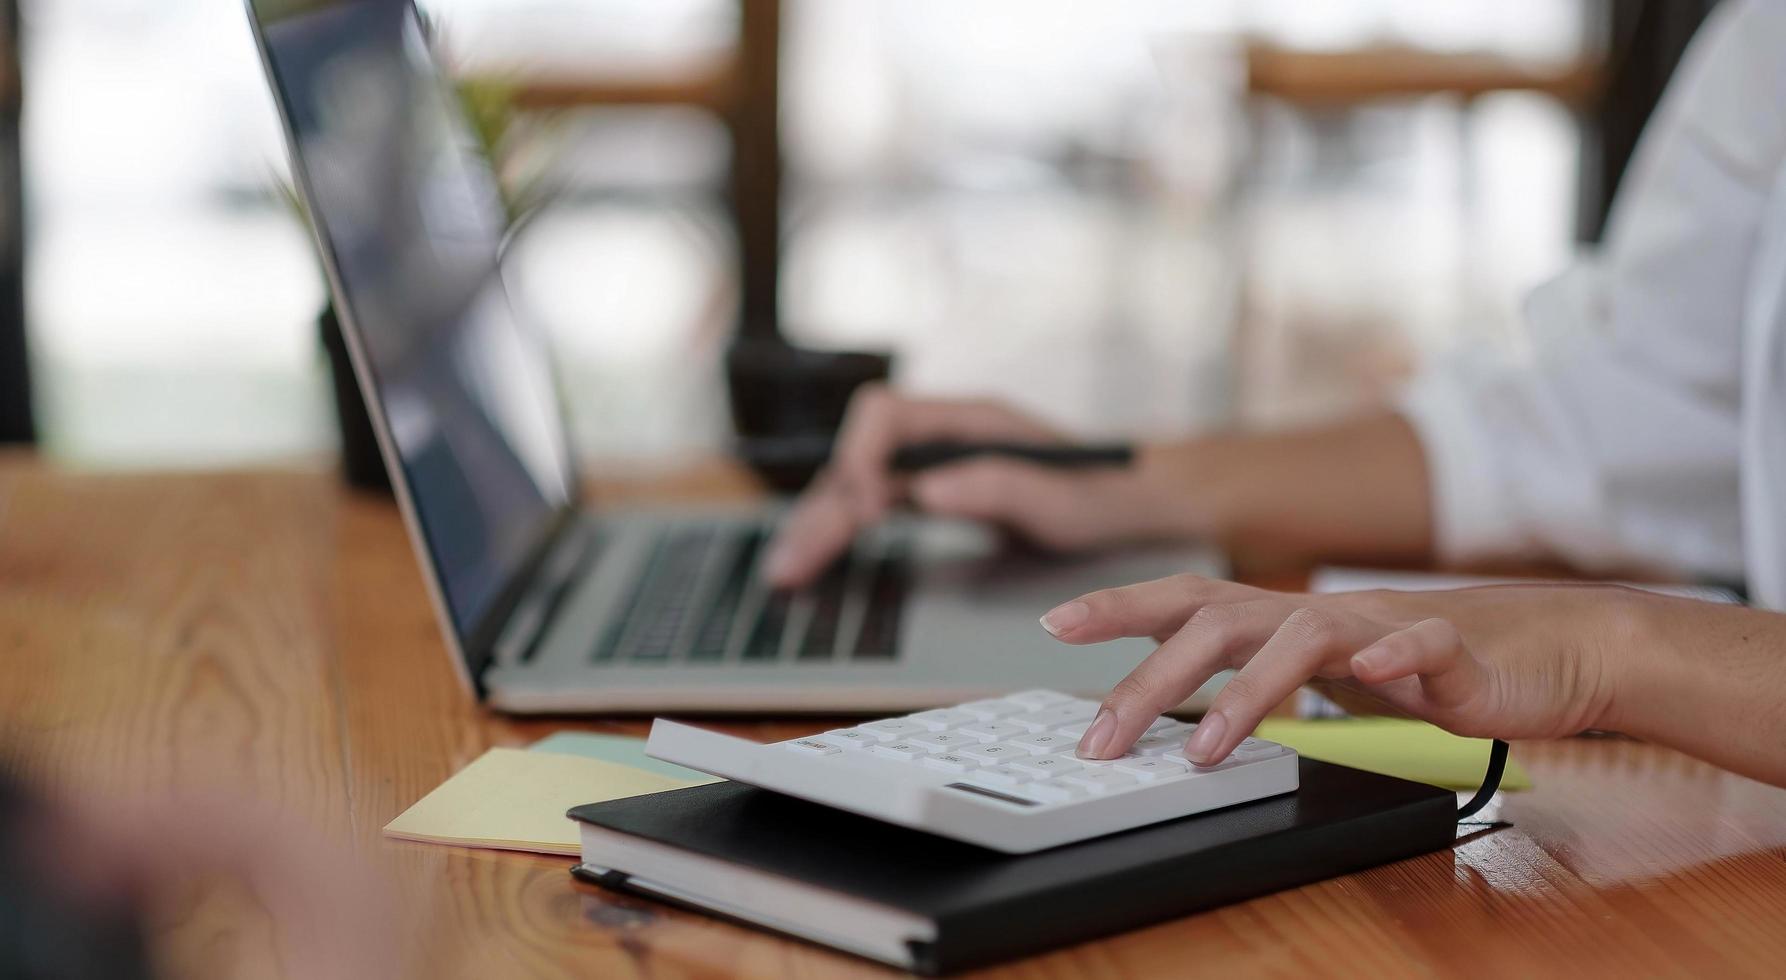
(934, 905)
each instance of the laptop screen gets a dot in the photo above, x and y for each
(408, 208)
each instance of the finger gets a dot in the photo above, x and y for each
(1205, 645)
(819, 528)
(1043, 505)
(1157, 608)
(879, 421)
(1451, 678)
(1302, 647)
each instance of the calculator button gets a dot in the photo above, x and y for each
(940, 719)
(943, 741)
(1148, 769)
(1076, 729)
(895, 728)
(1160, 726)
(1054, 717)
(1054, 792)
(1047, 766)
(1155, 745)
(1099, 780)
(867, 736)
(847, 739)
(1100, 763)
(811, 746)
(901, 750)
(1038, 699)
(1000, 776)
(1178, 730)
(991, 708)
(998, 752)
(950, 762)
(1254, 748)
(1045, 743)
(995, 731)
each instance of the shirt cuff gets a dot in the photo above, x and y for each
(1472, 518)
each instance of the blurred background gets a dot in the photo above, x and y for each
(1138, 216)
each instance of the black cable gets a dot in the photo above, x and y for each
(1491, 780)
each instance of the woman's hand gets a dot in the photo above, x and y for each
(1508, 662)
(1057, 509)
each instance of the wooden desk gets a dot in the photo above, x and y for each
(269, 633)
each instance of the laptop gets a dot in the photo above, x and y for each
(549, 604)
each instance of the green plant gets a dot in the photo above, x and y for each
(516, 141)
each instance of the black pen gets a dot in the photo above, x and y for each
(928, 455)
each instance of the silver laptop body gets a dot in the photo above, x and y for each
(548, 605)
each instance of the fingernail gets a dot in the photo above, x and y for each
(1066, 617)
(1373, 660)
(1381, 661)
(1096, 743)
(1205, 739)
(931, 492)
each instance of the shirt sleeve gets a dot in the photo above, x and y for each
(1613, 435)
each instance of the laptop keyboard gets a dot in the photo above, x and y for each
(698, 599)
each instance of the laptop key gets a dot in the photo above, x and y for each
(820, 640)
(765, 640)
(607, 646)
(716, 626)
(878, 638)
(661, 603)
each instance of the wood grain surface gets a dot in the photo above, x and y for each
(264, 637)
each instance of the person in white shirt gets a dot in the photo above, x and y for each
(1646, 428)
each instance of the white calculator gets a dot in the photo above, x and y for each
(999, 772)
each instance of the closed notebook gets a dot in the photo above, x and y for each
(933, 905)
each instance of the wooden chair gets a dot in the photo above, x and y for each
(744, 91)
(17, 420)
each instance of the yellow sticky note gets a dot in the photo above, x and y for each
(513, 799)
(1394, 747)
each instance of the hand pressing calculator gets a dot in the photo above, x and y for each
(999, 772)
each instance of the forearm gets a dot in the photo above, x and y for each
(1356, 490)
(1707, 680)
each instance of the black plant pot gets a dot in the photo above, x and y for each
(787, 404)
(361, 465)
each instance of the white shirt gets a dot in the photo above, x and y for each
(1647, 422)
